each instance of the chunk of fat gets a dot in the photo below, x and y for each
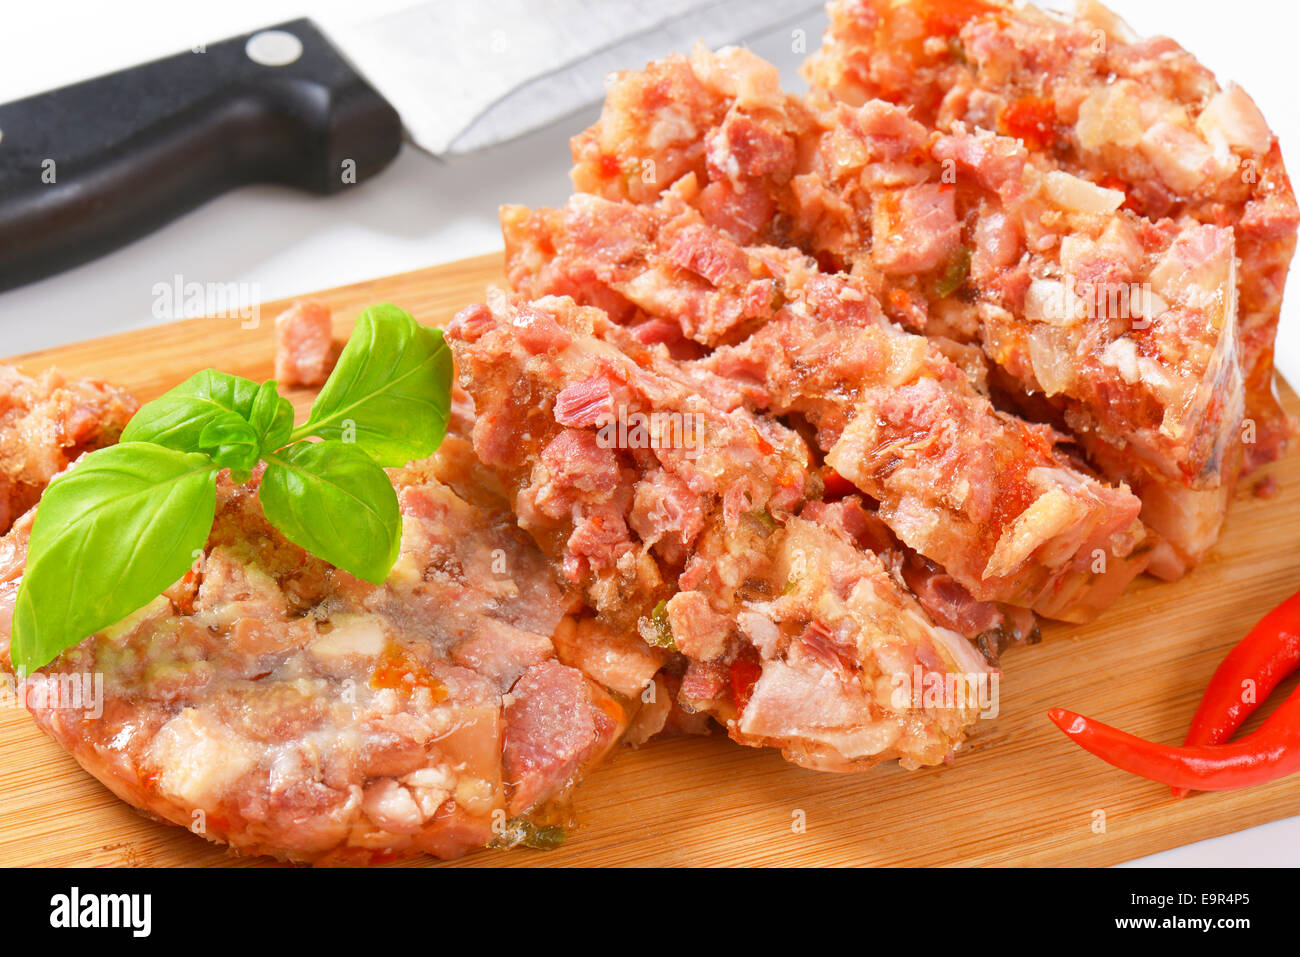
(1181, 156)
(429, 788)
(762, 632)
(812, 703)
(1189, 520)
(962, 652)
(408, 568)
(906, 356)
(1232, 117)
(618, 661)
(1122, 356)
(392, 807)
(1050, 301)
(1199, 269)
(1148, 305)
(1106, 19)
(1050, 514)
(1120, 241)
(1118, 244)
(1051, 354)
(353, 636)
(673, 124)
(1077, 195)
(155, 609)
(476, 795)
(198, 758)
(1109, 115)
(737, 73)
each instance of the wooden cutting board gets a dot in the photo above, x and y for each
(1019, 794)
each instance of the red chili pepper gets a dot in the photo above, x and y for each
(1269, 753)
(1264, 658)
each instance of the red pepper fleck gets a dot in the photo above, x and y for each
(945, 18)
(400, 670)
(745, 672)
(1032, 119)
(609, 166)
(837, 486)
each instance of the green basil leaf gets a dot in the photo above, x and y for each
(272, 416)
(232, 443)
(333, 500)
(109, 536)
(390, 391)
(177, 418)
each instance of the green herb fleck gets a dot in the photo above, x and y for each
(763, 519)
(656, 630)
(520, 832)
(954, 276)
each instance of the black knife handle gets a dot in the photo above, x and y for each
(89, 167)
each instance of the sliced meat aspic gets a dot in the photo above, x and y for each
(693, 536)
(46, 422)
(615, 467)
(272, 702)
(304, 344)
(1126, 326)
(1094, 100)
(983, 494)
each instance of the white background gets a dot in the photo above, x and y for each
(422, 211)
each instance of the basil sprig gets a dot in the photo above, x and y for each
(379, 396)
(113, 532)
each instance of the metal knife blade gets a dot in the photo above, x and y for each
(462, 82)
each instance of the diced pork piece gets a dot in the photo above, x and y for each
(692, 536)
(304, 344)
(274, 703)
(991, 626)
(843, 656)
(1090, 98)
(555, 722)
(1125, 325)
(618, 660)
(979, 492)
(1189, 519)
(46, 422)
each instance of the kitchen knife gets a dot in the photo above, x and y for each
(92, 166)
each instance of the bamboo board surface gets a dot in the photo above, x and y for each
(1020, 793)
